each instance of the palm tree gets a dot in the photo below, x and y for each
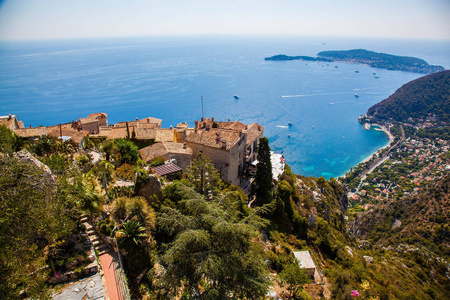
(119, 209)
(132, 231)
(85, 197)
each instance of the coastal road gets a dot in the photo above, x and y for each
(380, 160)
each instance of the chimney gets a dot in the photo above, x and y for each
(259, 127)
(212, 119)
(224, 143)
(196, 124)
(137, 119)
(9, 117)
(184, 146)
(201, 119)
(228, 120)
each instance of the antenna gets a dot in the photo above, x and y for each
(202, 106)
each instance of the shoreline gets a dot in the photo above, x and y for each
(369, 157)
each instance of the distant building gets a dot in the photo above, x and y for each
(11, 122)
(92, 123)
(305, 261)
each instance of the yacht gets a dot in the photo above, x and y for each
(236, 96)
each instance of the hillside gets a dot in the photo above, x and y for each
(418, 100)
(371, 58)
(382, 60)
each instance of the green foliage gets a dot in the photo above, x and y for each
(58, 163)
(125, 172)
(31, 218)
(263, 177)
(203, 176)
(9, 141)
(418, 99)
(127, 152)
(83, 196)
(106, 226)
(157, 161)
(293, 278)
(132, 231)
(212, 251)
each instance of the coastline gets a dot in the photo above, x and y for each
(369, 157)
(391, 139)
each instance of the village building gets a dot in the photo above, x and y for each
(231, 146)
(305, 261)
(92, 123)
(177, 153)
(11, 122)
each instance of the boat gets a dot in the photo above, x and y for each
(376, 77)
(313, 127)
(236, 96)
(343, 137)
(289, 135)
(356, 95)
(290, 124)
(331, 103)
(356, 71)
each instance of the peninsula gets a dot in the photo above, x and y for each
(371, 58)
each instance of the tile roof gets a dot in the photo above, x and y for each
(148, 153)
(215, 138)
(92, 118)
(253, 132)
(164, 135)
(166, 169)
(143, 133)
(154, 121)
(31, 132)
(77, 136)
(161, 149)
(119, 132)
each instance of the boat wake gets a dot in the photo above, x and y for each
(310, 95)
(281, 126)
(364, 89)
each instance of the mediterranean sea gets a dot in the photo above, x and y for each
(52, 82)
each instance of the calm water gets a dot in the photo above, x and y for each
(46, 83)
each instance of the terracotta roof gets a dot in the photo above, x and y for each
(77, 136)
(119, 132)
(164, 135)
(31, 132)
(92, 118)
(156, 122)
(145, 133)
(148, 153)
(215, 138)
(253, 132)
(162, 149)
(104, 131)
(166, 169)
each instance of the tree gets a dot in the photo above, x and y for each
(132, 231)
(263, 177)
(9, 141)
(213, 254)
(83, 195)
(293, 278)
(127, 152)
(104, 172)
(31, 219)
(109, 147)
(203, 175)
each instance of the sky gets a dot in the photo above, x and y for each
(65, 19)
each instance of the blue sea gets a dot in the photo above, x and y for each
(52, 82)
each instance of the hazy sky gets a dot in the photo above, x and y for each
(55, 19)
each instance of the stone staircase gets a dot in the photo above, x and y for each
(97, 242)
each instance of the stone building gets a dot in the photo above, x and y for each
(231, 146)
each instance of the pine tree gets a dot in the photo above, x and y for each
(203, 175)
(213, 254)
(263, 172)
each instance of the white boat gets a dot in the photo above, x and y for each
(289, 135)
(356, 95)
(290, 124)
(236, 96)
